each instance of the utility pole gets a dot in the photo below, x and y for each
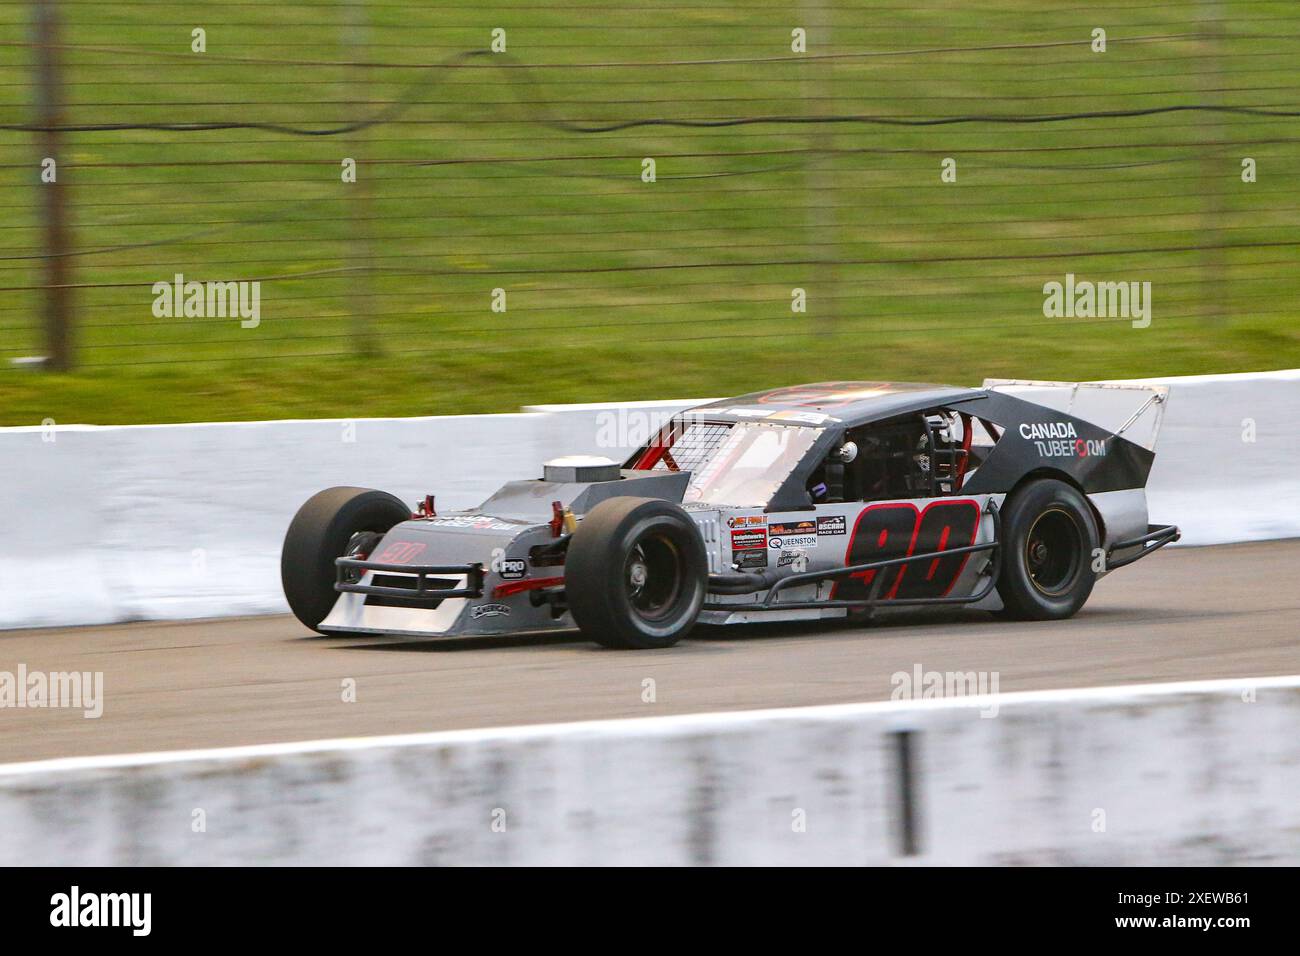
(57, 307)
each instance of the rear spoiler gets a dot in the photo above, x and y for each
(1131, 411)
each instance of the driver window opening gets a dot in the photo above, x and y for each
(927, 455)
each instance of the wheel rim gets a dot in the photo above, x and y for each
(652, 576)
(359, 546)
(1053, 552)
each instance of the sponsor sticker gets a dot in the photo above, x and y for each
(752, 559)
(1048, 430)
(749, 538)
(512, 569)
(489, 610)
(1060, 440)
(477, 522)
(810, 418)
(747, 521)
(793, 541)
(799, 527)
(793, 559)
(831, 524)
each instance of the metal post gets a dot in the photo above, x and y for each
(57, 309)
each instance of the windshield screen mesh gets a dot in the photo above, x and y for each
(734, 463)
(692, 446)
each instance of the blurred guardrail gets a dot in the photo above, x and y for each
(1167, 774)
(113, 523)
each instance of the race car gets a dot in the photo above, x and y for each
(797, 503)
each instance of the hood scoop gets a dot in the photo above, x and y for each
(580, 468)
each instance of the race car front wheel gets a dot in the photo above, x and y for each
(319, 533)
(635, 573)
(1049, 539)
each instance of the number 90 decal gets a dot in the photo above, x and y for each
(400, 552)
(896, 530)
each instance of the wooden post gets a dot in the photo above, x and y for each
(57, 308)
(1214, 175)
(360, 205)
(819, 178)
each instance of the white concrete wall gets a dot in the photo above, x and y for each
(1213, 482)
(119, 523)
(1184, 774)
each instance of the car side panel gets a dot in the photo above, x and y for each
(1037, 438)
(838, 535)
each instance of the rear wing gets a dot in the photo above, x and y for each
(1132, 411)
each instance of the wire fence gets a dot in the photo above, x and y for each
(407, 179)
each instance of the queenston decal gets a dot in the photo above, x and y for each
(793, 541)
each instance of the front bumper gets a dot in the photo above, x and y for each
(350, 572)
(440, 577)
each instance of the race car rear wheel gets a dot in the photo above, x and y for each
(635, 573)
(1050, 535)
(319, 533)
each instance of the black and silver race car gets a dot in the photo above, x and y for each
(797, 503)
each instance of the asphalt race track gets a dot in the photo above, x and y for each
(1182, 614)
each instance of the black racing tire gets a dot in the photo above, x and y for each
(319, 533)
(635, 573)
(1049, 536)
